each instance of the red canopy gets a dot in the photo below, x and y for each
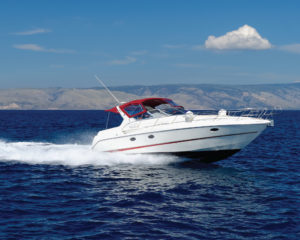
(152, 102)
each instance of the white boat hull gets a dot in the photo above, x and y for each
(158, 125)
(190, 140)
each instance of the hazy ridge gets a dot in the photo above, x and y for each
(193, 96)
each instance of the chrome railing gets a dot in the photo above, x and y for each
(254, 113)
(265, 114)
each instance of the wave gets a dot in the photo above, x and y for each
(72, 155)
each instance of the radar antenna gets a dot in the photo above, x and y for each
(111, 94)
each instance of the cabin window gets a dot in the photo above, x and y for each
(133, 109)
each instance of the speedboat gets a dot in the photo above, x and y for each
(160, 126)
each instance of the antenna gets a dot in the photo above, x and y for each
(111, 94)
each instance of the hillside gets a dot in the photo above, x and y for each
(201, 96)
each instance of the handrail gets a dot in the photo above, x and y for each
(251, 113)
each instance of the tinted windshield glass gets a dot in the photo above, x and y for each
(172, 103)
(170, 110)
(133, 109)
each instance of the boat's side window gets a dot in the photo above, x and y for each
(132, 139)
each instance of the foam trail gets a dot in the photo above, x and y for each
(72, 155)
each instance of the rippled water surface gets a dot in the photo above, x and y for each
(52, 186)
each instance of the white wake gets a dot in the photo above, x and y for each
(72, 155)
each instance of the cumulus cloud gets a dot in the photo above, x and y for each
(246, 37)
(293, 48)
(33, 31)
(124, 61)
(37, 48)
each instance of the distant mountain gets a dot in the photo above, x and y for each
(193, 96)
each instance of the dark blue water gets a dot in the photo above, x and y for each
(52, 186)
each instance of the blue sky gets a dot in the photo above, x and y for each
(64, 43)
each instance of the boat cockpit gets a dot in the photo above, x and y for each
(149, 108)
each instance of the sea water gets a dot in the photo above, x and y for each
(53, 186)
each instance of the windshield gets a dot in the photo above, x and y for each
(172, 103)
(152, 108)
(134, 110)
(170, 110)
(164, 110)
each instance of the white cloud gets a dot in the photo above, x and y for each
(293, 48)
(124, 61)
(32, 47)
(33, 31)
(246, 37)
(37, 48)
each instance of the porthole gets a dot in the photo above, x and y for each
(132, 139)
(151, 136)
(214, 129)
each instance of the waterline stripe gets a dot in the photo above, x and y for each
(180, 141)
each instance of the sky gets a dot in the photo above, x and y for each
(142, 42)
